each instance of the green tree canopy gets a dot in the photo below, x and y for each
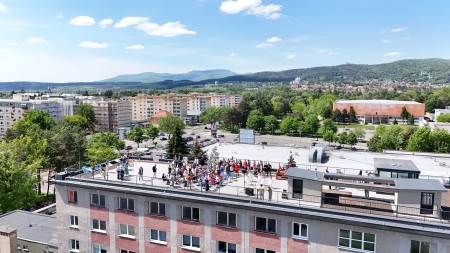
(77, 120)
(298, 107)
(211, 115)
(443, 118)
(290, 124)
(342, 139)
(404, 114)
(337, 116)
(40, 118)
(176, 146)
(328, 125)
(99, 152)
(421, 140)
(152, 132)
(170, 123)
(441, 140)
(87, 111)
(351, 139)
(271, 124)
(136, 134)
(311, 124)
(110, 139)
(255, 120)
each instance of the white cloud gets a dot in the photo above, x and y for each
(264, 45)
(60, 16)
(274, 39)
(392, 54)
(135, 47)
(235, 7)
(82, 21)
(105, 22)
(2, 7)
(270, 11)
(130, 21)
(36, 40)
(327, 52)
(92, 44)
(291, 56)
(233, 55)
(251, 7)
(169, 29)
(386, 41)
(399, 29)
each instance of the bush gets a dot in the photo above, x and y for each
(443, 118)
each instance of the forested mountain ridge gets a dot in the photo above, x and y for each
(420, 70)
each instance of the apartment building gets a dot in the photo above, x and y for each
(14, 109)
(381, 111)
(110, 114)
(143, 107)
(313, 212)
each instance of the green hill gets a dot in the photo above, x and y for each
(151, 77)
(432, 70)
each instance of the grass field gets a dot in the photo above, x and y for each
(356, 126)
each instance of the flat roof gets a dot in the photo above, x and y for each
(392, 183)
(31, 226)
(394, 164)
(375, 101)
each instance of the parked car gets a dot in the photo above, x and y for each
(220, 135)
(128, 148)
(263, 143)
(193, 133)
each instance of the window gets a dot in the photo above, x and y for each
(357, 240)
(73, 221)
(97, 200)
(74, 245)
(158, 208)
(126, 251)
(191, 213)
(98, 248)
(426, 203)
(226, 219)
(126, 204)
(25, 248)
(258, 250)
(126, 230)
(157, 235)
(299, 230)
(225, 247)
(265, 225)
(297, 188)
(190, 241)
(99, 225)
(420, 247)
(73, 197)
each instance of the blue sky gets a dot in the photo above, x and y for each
(85, 40)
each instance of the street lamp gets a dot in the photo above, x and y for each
(272, 129)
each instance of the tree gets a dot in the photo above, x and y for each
(421, 140)
(360, 133)
(110, 139)
(170, 123)
(291, 161)
(232, 119)
(443, 118)
(17, 180)
(395, 122)
(271, 124)
(404, 114)
(351, 139)
(255, 120)
(40, 118)
(196, 151)
(410, 119)
(211, 115)
(280, 105)
(290, 124)
(87, 111)
(328, 125)
(136, 134)
(99, 152)
(214, 156)
(329, 136)
(337, 116)
(176, 144)
(327, 112)
(352, 116)
(342, 138)
(77, 120)
(441, 140)
(298, 108)
(344, 116)
(311, 124)
(152, 132)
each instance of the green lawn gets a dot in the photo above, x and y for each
(356, 126)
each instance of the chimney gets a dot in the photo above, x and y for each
(8, 240)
